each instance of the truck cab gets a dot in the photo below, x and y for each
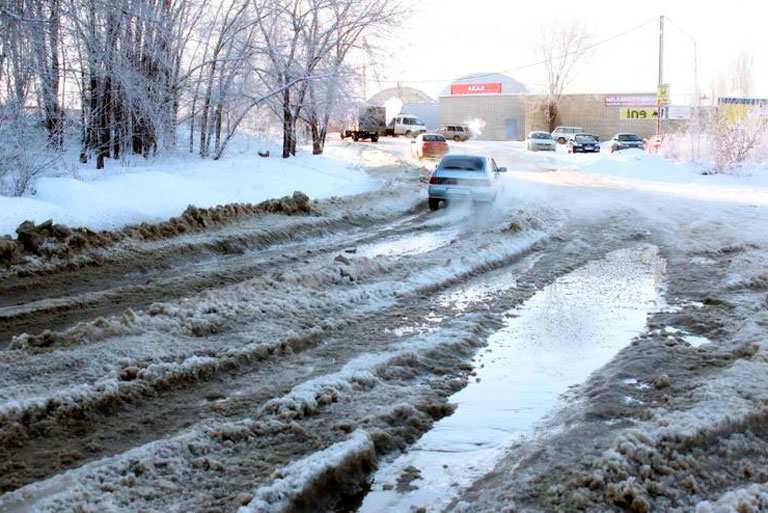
(407, 125)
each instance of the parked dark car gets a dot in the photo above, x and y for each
(625, 141)
(583, 143)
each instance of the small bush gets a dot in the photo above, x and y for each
(23, 155)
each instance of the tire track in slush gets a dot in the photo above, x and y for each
(230, 469)
(34, 304)
(18, 469)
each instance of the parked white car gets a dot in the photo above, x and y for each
(538, 140)
(407, 125)
(561, 134)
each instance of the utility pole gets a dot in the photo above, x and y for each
(695, 139)
(661, 72)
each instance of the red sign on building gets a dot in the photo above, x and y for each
(492, 88)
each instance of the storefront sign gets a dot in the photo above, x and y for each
(662, 95)
(631, 100)
(491, 88)
(673, 112)
(677, 112)
(638, 113)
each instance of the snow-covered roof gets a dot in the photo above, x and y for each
(404, 94)
(508, 84)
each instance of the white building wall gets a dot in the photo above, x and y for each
(497, 117)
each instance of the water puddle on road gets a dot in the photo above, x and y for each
(408, 245)
(485, 287)
(556, 339)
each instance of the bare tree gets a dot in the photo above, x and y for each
(740, 75)
(354, 21)
(561, 48)
(306, 43)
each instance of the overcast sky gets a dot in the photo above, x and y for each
(445, 39)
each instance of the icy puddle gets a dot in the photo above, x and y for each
(556, 339)
(408, 245)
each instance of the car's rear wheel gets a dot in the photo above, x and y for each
(434, 204)
(456, 138)
(408, 133)
(561, 140)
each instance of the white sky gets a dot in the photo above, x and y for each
(445, 39)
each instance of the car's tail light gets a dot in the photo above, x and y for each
(434, 179)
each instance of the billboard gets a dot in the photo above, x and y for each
(737, 110)
(631, 100)
(487, 88)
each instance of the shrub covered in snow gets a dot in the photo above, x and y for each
(726, 145)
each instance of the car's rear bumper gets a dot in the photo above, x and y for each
(459, 192)
(434, 154)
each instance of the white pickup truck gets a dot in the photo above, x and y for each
(405, 124)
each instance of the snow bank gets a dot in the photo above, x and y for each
(158, 190)
(296, 480)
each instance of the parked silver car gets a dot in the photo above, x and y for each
(561, 134)
(538, 140)
(456, 133)
(465, 177)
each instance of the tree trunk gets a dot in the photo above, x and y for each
(317, 142)
(287, 124)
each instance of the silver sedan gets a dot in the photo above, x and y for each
(465, 177)
(540, 141)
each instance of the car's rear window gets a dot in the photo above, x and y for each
(434, 138)
(463, 163)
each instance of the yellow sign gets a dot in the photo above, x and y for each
(662, 96)
(638, 113)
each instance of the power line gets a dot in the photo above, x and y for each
(525, 66)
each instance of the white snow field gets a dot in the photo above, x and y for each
(154, 191)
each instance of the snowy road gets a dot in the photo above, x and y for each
(273, 363)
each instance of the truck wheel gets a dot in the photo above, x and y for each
(355, 137)
(456, 138)
(341, 134)
(375, 138)
(434, 204)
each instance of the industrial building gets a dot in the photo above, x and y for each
(499, 108)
